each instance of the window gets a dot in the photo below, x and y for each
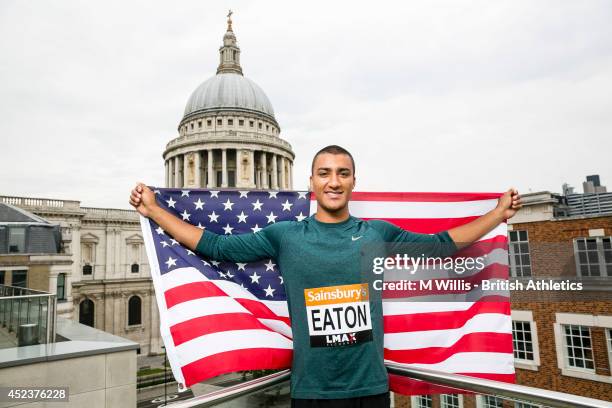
(191, 125)
(231, 178)
(200, 124)
(240, 122)
(608, 342)
(230, 122)
(134, 306)
(219, 177)
(577, 343)
(251, 123)
(1, 277)
(422, 401)
(20, 278)
(61, 286)
(450, 401)
(86, 313)
(521, 340)
(267, 127)
(209, 122)
(16, 239)
(135, 268)
(87, 269)
(219, 122)
(260, 125)
(492, 402)
(518, 252)
(593, 256)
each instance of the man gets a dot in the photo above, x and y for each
(320, 256)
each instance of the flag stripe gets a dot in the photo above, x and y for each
(474, 342)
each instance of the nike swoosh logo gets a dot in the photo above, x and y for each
(356, 238)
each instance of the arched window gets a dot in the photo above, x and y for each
(61, 286)
(86, 312)
(135, 268)
(134, 308)
(87, 269)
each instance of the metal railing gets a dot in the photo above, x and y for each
(23, 306)
(460, 383)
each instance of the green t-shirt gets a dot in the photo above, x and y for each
(337, 341)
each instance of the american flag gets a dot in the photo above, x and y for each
(222, 317)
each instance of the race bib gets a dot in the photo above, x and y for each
(338, 315)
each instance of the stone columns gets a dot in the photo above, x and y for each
(223, 167)
(290, 175)
(185, 170)
(264, 170)
(166, 177)
(282, 173)
(198, 171)
(176, 172)
(210, 169)
(238, 168)
(274, 173)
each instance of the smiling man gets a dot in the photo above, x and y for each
(336, 321)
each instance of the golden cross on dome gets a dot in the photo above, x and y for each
(229, 20)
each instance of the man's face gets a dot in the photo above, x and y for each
(332, 181)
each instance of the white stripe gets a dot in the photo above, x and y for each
(214, 343)
(278, 326)
(481, 323)
(203, 307)
(473, 362)
(408, 308)
(416, 209)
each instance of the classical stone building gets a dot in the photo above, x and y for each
(228, 136)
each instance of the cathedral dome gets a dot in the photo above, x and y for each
(229, 90)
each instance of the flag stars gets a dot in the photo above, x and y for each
(216, 263)
(213, 217)
(270, 266)
(159, 231)
(243, 194)
(228, 229)
(184, 193)
(256, 228)
(281, 279)
(171, 202)
(214, 194)
(157, 191)
(205, 263)
(302, 195)
(229, 275)
(269, 291)
(257, 205)
(271, 218)
(273, 194)
(255, 278)
(174, 242)
(286, 205)
(300, 217)
(200, 226)
(164, 243)
(199, 205)
(189, 252)
(242, 217)
(185, 215)
(170, 262)
(241, 266)
(228, 205)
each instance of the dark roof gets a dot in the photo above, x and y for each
(10, 213)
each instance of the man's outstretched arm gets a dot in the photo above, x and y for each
(143, 200)
(509, 203)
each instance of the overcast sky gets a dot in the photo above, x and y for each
(428, 96)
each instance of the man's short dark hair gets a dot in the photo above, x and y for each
(333, 149)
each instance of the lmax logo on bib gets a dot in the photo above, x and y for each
(338, 315)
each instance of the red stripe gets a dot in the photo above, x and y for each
(409, 386)
(191, 291)
(200, 326)
(461, 285)
(471, 342)
(441, 320)
(236, 360)
(261, 311)
(419, 197)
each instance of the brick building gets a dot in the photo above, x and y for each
(563, 338)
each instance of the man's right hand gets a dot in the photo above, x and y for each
(143, 200)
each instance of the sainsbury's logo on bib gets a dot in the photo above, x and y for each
(338, 315)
